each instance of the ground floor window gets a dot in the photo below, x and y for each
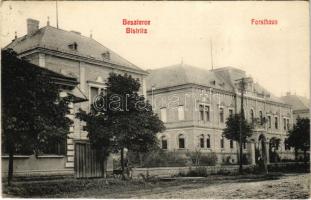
(208, 142)
(231, 144)
(164, 142)
(181, 142)
(222, 141)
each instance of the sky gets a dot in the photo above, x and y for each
(276, 56)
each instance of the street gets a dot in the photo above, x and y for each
(287, 187)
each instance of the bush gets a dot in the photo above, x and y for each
(209, 159)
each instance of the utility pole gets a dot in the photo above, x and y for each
(242, 86)
(56, 14)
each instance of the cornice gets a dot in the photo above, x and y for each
(81, 58)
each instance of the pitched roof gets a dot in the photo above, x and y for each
(181, 74)
(58, 39)
(297, 102)
(221, 78)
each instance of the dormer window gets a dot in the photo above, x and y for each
(213, 82)
(106, 55)
(73, 46)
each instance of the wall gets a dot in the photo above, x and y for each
(30, 165)
(171, 171)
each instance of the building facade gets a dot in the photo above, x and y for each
(194, 104)
(78, 56)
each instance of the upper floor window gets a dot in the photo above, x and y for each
(207, 113)
(276, 123)
(181, 141)
(181, 113)
(93, 93)
(163, 142)
(260, 118)
(244, 145)
(287, 124)
(163, 114)
(221, 115)
(269, 121)
(201, 110)
(284, 123)
(252, 115)
(208, 141)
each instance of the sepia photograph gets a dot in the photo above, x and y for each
(155, 99)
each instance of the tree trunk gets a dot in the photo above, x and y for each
(11, 158)
(10, 172)
(122, 163)
(241, 157)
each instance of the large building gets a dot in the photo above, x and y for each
(194, 104)
(78, 56)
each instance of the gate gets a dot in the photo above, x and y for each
(87, 163)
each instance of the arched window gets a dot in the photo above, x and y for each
(208, 141)
(163, 142)
(201, 141)
(252, 115)
(260, 117)
(221, 115)
(181, 141)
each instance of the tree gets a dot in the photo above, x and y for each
(299, 136)
(122, 119)
(232, 131)
(33, 114)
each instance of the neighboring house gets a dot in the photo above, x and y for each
(300, 105)
(24, 162)
(194, 104)
(68, 52)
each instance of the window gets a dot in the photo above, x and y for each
(260, 117)
(269, 121)
(286, 145)
(164, 142)
(221, 115)
(208, 141)
(94, 93)
(181, 113)
(231, 144)
(201, 141)
(181, 142)
(222, 145)
(230, 112)
(207, 113)
(284, 123)
(252, 115)
(287, 124)
(244, 145)
(163, 114)
(201, 109)
(276, 123)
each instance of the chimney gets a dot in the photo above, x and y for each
(32, 26)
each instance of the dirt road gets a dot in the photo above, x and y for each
(288, 187)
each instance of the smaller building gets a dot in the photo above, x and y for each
(300, 105)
